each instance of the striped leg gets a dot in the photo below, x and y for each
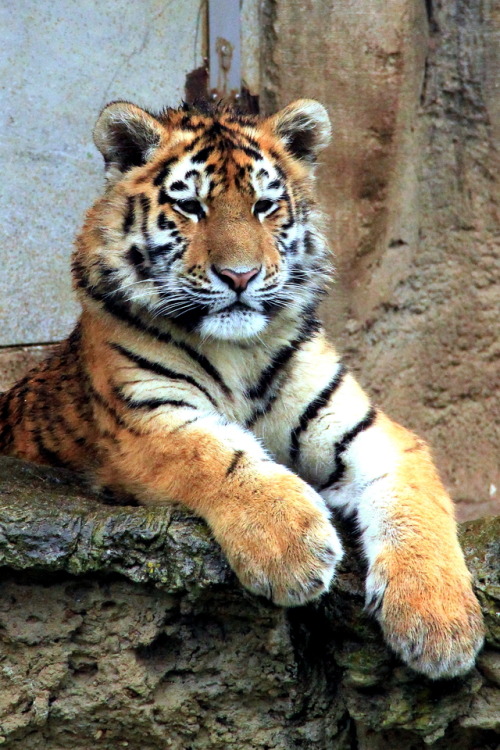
(165, 440)
(324, 427)
(273, 528)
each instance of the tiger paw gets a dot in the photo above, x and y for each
(284, 548)
(433, 624)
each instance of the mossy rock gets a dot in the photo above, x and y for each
(121, 624)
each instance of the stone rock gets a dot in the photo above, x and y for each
(15, 361)
(122, 626)
(410, 186)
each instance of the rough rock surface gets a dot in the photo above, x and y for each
(410, 185)
(124, 627)
(15, 361)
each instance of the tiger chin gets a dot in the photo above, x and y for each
(199, 373)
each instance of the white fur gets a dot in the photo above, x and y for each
(234, 326)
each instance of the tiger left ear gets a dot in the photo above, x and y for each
(127, 136)
(305, 128)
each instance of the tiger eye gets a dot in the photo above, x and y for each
(263, 205)
(191, 207)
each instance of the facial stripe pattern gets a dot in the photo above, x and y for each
(199, 373)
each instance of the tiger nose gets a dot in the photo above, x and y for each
(236, 280)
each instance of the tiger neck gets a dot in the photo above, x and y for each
(239, 365)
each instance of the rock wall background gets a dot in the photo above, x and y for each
(410, 186)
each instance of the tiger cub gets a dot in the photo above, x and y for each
(199, 373)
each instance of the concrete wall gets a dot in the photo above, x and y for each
(60, 63)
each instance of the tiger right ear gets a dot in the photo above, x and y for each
(304, 127)
(126, 135)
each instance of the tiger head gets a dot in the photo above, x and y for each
(209, 219)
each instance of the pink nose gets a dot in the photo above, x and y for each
(236, 281)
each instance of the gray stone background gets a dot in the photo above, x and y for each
(60, 63)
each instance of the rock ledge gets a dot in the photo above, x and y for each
(124, 627)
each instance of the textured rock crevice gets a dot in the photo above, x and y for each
(410, 185)
(125, 625)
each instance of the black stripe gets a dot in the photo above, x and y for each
(70, 431)
(342, 445)
(261, 411)
(245, 137)
(6, 434)
(174, 257)
(19, 393)
(151, 403)
(312, 410)
(214, 130)
(99, 398)
(297, 276)
(251, 152)
(205, 364)
(291, 216)
(193, 144)
(237, 456)
(201, 155)
(164, 171)
(154, 251)
(178, 185)
(75, 337)
(135, 257)
(158, 369)
(45, 453)
(309, 245)
(281, 358)
(191, 318)
(130, 215)
(145, 205)
(163, 197)
(184, 424)
(186, 123)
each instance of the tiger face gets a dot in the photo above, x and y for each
(209, 219)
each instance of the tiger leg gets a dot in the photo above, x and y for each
(418, 585)
(273, 528)
(323, 426)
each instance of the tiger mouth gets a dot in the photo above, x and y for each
(236, 307)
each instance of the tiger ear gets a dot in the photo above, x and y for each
(126, 135)
(305, 128)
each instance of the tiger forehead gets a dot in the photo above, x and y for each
(227, 153)
(219, 166)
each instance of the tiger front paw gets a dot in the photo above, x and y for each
(284, 548)
(433, 623)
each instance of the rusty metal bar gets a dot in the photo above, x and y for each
(224, 49)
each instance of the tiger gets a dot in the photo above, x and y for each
(199, 374)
